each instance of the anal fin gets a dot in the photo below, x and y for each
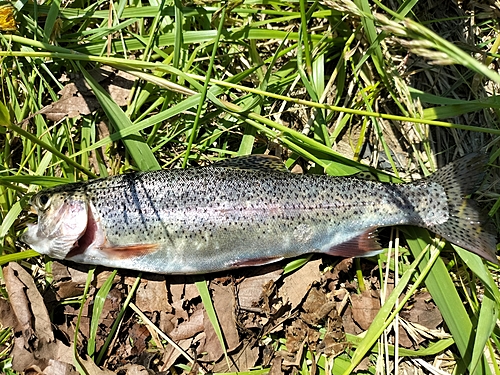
(364, 245)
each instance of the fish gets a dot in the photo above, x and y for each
(248, 211)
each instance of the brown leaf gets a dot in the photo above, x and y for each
(347, 321)
(243, 360)
(332, 277)
(77, 98)
(71, 104)
(24, 357)
(364, 308)
(19, 301)
(246, 359)
(424, 312)
(152, 295)
(191, 292)
(176, 291)
(251, 288)
(316, 307)
(131, 369)
(224, 300)
(171, 353)
(296, 335)
(93, 369)
(119, 87)
(59, 368)
(276, 366)
(179, 310)
(27, 302)
(189, 328)
(138, 335)
(8, 317)
(297, 284)
(404, 339)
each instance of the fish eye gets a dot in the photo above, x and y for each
(43, 201)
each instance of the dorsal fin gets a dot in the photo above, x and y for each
(365, 175)
(254, 162)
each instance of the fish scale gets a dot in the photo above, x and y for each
(246, 211)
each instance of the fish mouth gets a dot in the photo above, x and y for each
(28, 236)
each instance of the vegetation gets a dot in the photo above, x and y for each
(100, 88)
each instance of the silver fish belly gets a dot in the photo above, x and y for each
(225, 216)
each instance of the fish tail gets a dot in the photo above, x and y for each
(466, 226)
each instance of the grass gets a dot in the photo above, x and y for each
(334, 87)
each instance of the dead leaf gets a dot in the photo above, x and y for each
(92, 368)
(276, 366)
(27, 301)
(138, 336)
(241, 361)
(176, 291)
(224, 300)
(152, 295)
(191, 291)
(296, 335)
(76, 98)
(297, 284)
(188, 328)
(36, 346)
(365, 307)
(424, 311)
(332, 277)
(70, 104)
(19, 301)
(316, 307)
(8, 317)
(251, 288)
(131, 369)
(171, 353)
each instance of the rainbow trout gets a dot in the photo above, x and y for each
(247, 211)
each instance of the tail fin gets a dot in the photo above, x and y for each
(467, 226)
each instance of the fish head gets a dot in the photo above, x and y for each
(62, 221)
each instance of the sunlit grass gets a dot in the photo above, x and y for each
(317, 84)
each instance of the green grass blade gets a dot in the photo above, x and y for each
(477, 266)
(212, 315)
(8, 220)
(118, 320)
(386, 315)
(136, 145)
(50, 22)
(4, 115)
(99, 300)
(76, 358)
(445, 295)
(4, 259)
(150, 121)
(33, 138)
(432, 349)
(305, 35)
(296, 264)
(194, 131)
(486, 322)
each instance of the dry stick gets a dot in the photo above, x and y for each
(163, 335)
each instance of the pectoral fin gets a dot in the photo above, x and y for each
(130, 251)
